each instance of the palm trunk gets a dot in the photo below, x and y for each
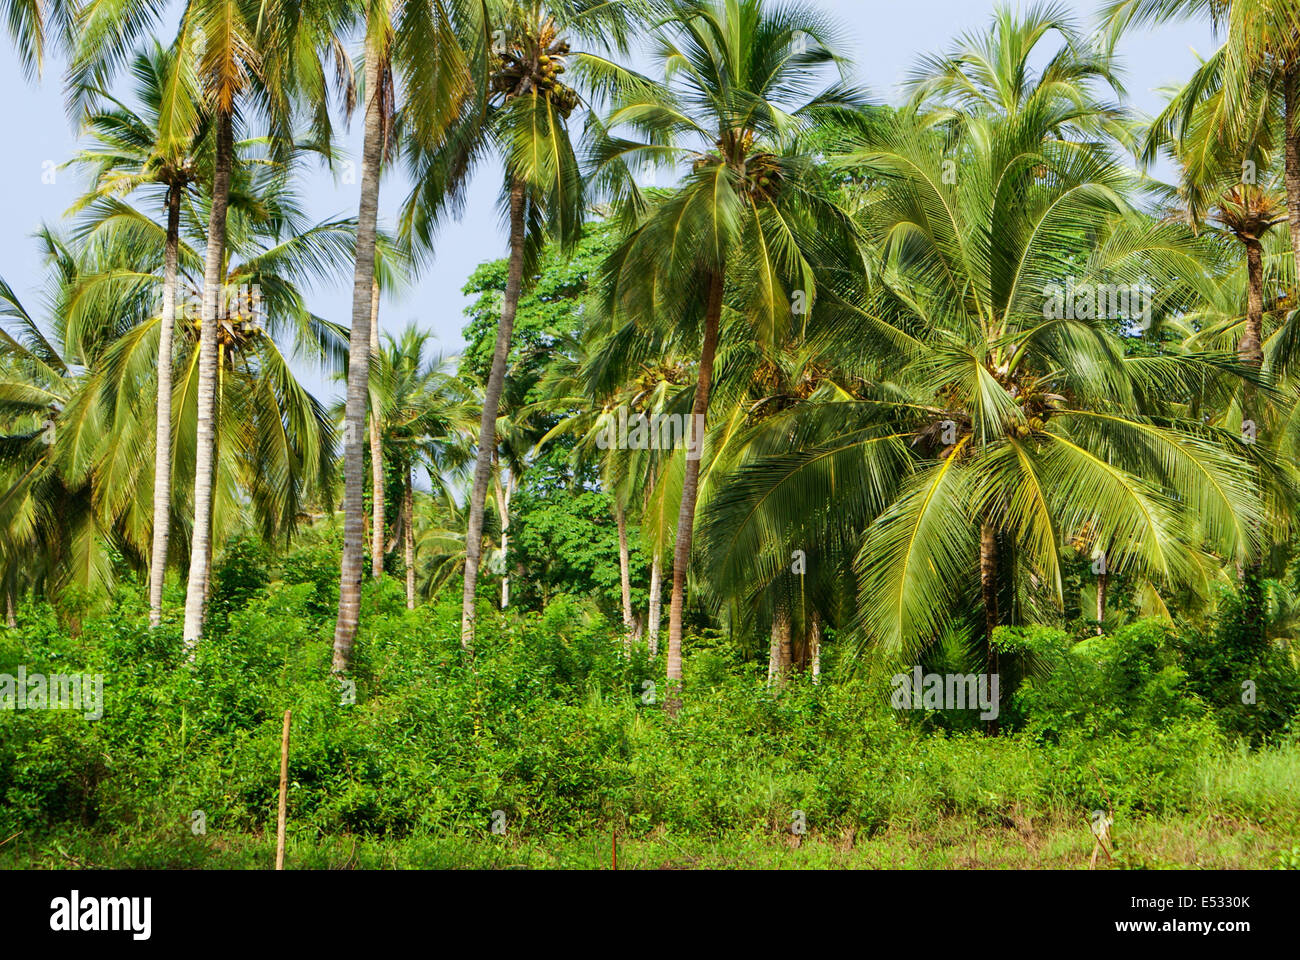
(815, 647)
(989, 588)
(624, 574)
(11, 617)
(408, 537)
(162, 460)
(354, 515)
(487, 424)
(690, 489)
(778, 654)
(1102, 583)
(196, 588)
(989, 592)
(376, 456)
(656, 605)
(1291, 173)
(1250, 347)
(504, 493)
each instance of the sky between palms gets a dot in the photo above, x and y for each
(884, 38)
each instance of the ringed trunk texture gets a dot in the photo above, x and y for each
(1291, 172)
(487, 438)
(989, 588)
(162, 458)
(1250, 347)
(655, 611)
(624, 574)
(815, 647)
(504, 493)
(354, 418)
(376, 456)
(408, 537)
(196, 588)
(690, 490)
(779, 653)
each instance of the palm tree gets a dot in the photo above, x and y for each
(523, 115)
(415, 62)
(31, 23)
(1256, 69)
(230, 51)
(424, 417)
(134, 150)
(736, 103)
(275, 449)
(990, 427)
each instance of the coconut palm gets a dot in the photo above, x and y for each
(416, 63)
(1257, 69)
(735, 102)
(233, 52)
(424, 417)
(523, 119)
(996, 429)
(133, 151)
(275, 442)
(33, 24)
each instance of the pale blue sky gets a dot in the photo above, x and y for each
(884, 39)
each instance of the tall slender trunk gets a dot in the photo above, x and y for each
(989, 588)
(989, 592)
(1102, 583)
(487, 437)
(690, 490)
(11, 617)
(408, 537)
(624, 574)
(815, 646)
(354, 418)
(656, 605)
(1250, 346)
(1291, 172)
(196, 588)
(504, 493)
(376, 455)
(162, 458)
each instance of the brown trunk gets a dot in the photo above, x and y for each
(487, 437)
(354, 417)
(408, 537)
(376, 454)
(11, 617)
(690, 489)
(162, 461)
(1250, 347)
(196, 588)
(656, 605)
(1291, 173)
(989, 589)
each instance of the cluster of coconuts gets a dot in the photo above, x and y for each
(518, 76)
(764, 175)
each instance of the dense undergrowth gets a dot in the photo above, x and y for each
(551, 724)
